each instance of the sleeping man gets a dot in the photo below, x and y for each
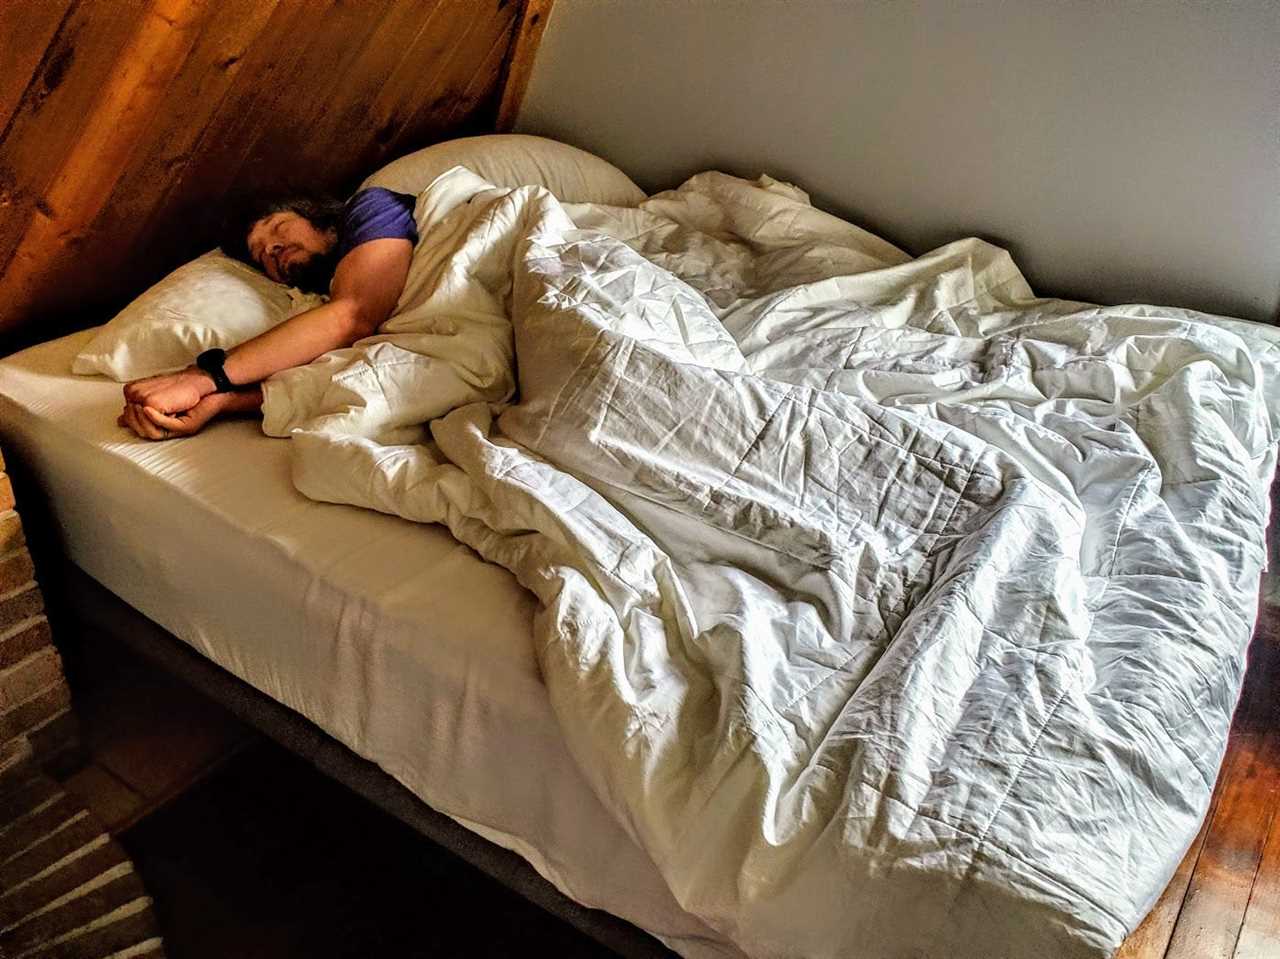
(358, 251)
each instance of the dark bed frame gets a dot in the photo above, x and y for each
(84, 604)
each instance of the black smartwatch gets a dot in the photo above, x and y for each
(211, 362)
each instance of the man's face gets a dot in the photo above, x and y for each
(284, 244)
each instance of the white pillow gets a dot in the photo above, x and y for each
(511, 160)
(212, 301)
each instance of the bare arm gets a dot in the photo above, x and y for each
(366, 286)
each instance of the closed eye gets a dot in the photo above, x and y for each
(270, 227)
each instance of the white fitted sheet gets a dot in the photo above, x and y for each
(390, 635)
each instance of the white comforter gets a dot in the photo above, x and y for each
(893, 611)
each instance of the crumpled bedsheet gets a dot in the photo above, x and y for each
(894, 611)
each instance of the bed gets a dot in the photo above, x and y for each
(930, 761)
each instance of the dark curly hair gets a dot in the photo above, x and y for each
(324, 212)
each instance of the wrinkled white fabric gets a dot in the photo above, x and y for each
(893, 611)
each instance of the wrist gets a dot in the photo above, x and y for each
(217, 402)
(204, 382)
(213, 364)
(247, 399)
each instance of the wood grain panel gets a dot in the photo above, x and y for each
(317, 78)
(192, 99)
(389, 50)
(183, 215)
(257, 95)
(96, 159)
(140, 141)
(483, 82)
(25, 33)
(1260, 934)
(55, 106)
(440, 102)
(382, 133)
(533, 21)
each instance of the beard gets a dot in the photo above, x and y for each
(314, 274)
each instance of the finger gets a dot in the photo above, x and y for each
(126, 419)
(131, 421)
(181, 426)
(144, 427)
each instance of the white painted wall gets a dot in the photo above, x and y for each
(1125, 150)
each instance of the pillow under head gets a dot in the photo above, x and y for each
(213, 301)
(512, 160)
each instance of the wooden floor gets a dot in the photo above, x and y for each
(152, 741)
(1224, 900)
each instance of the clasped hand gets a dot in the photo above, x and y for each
(168, 406)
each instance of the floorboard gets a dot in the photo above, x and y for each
(1260, 934)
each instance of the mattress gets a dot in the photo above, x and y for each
(389, 635)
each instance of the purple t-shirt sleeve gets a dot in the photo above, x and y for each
(376, 214)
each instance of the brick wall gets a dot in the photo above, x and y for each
(35, 704)
(67, 889)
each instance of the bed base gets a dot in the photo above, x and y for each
(92, 607)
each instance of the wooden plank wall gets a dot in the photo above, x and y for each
(533, 21)
(125, 125)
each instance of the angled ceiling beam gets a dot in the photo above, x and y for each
(533, 21)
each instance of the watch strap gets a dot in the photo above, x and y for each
(211, 362)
